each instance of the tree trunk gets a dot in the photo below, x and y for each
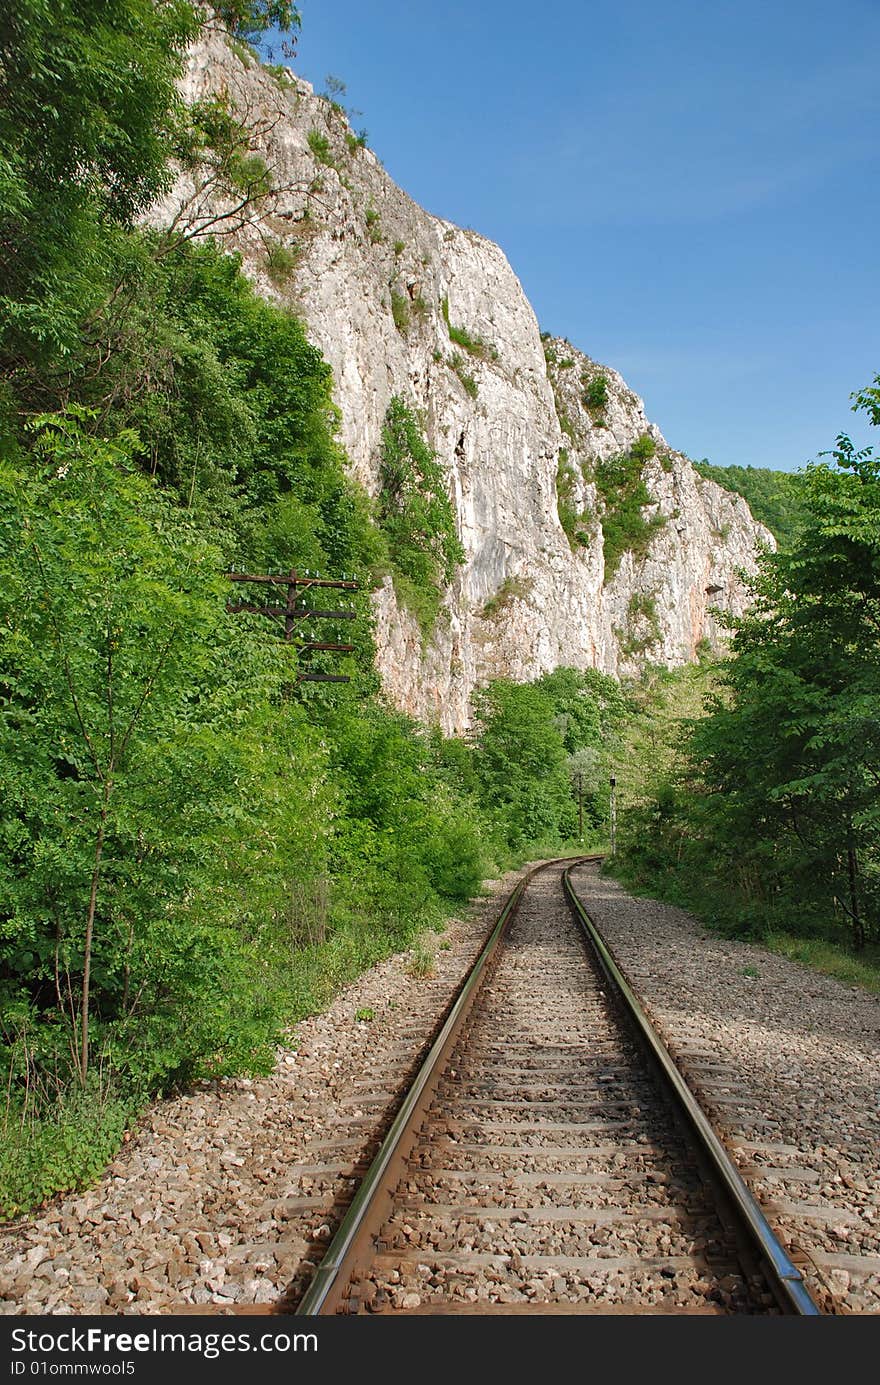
(90, 928)
(858, 925)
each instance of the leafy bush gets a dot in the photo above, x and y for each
(400, 311)
(321, 148)
(281, 261)
(595, 395)
(373, 220)
(624, 495)
(642, 625)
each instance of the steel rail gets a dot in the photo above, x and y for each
(329, 1281)
(784, 1277)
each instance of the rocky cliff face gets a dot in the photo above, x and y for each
(384, 289)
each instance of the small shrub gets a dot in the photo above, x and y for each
(595, 395)
(372, 218)
(281, 261)
(355, 142)
(400, 311)
(457, 364)
(281, 75)
(642, 624)
(320, 147)
(566, 364)
(365, 1014)
(644, 448)
(512, 589)
(399, 247)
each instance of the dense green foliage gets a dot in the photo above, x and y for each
(196, 849)
(595, 395)
(416, 516)
(624, 495)
(88, 115)
(579, 524)
(534, 738)
(773, 816)
(775, 498)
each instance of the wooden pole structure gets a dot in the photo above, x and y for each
(295, 584)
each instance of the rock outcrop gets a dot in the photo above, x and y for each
(385, 289)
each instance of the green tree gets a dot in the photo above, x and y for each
(780, 803)
(416, 515)
(138, 799)
(88, 108)
(521, 765)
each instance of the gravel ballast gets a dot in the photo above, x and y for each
(787, 1063)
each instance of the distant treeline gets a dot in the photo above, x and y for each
(775, 498)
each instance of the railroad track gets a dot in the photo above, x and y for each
(549, 1157)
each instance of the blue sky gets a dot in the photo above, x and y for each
(687, 191)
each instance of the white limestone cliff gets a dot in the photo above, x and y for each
(525, 600)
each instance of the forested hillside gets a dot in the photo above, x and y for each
(774, 497)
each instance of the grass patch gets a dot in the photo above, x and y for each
(60, 1145)
(457, 364)
(422, 961)
(474, 345)
(511, 589)
(829, 958)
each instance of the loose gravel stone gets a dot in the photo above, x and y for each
(229, 1157)
(786, 1061)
